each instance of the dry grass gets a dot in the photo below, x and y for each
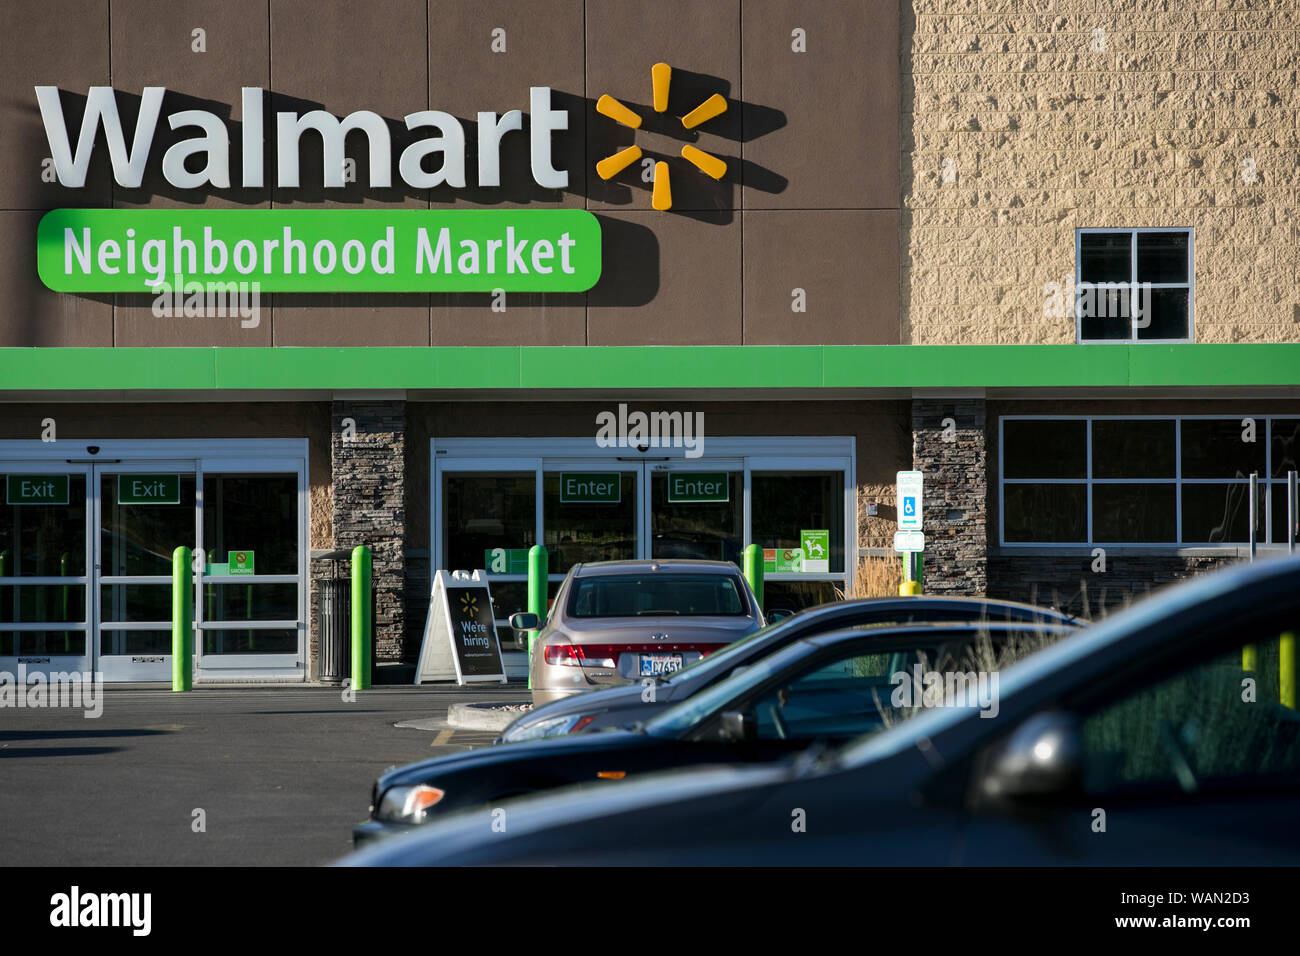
(876, 577)
(983, 655)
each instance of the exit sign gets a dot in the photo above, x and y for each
(148, 489)
(698, 486)
(600, 487)
(36, 489)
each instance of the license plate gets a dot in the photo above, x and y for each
(652, 665)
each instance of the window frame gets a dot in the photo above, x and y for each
(1134, 231)
(1266, 481)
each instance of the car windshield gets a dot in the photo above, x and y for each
(866, 670)
(721, 660)
(657, 593)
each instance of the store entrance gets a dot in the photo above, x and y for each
(142, 511)
(491, 504)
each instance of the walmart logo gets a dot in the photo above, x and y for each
(469, 605)
(660, 79)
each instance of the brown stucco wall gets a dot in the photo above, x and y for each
(810, 200)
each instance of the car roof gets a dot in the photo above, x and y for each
(945, 602)
(598, 568)
(1137, 626)
(892, 634)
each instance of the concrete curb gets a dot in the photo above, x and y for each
(484, 716)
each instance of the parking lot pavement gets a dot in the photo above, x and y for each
(275, 776)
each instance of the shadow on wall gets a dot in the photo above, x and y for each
(631, 269)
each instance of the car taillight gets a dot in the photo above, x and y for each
(583, 655)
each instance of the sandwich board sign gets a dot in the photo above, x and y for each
(460, 633)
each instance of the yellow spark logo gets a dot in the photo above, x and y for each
(469, 605)
(660, 78)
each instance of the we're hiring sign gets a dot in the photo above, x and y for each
(320, 250)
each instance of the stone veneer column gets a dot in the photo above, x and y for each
(369, 505)
(956, 492)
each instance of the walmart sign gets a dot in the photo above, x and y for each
(316, 250)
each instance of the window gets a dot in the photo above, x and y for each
(633, 595)
(840, 699)
(1198, 728)
(1143, 481)
(1133, 285)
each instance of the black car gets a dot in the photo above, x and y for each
(830, 688)
(618, 706)
(1165, 735)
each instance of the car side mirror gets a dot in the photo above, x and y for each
(525, 621)
(778, 614)
(1042, 758)
(738, 727)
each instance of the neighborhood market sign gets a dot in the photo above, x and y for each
(319, 250)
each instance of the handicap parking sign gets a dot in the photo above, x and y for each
(910, 495)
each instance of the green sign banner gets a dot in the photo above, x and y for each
(148, 489)
(601, 487)
(782, 559)
(698, 486)
(816, 547)
(36, 489)
(506, 560)
(241, 562)
(318, 250)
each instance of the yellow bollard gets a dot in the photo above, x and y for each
(1286, 669)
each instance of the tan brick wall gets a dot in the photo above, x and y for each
(1045, 135)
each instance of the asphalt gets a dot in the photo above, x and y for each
(280, 773)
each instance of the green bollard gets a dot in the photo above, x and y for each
(753, 571)
(538, 567)
(182, 620)
(1286, 669)
(362, 618)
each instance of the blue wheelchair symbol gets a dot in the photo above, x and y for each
(909, 507)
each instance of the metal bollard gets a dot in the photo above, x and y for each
(362, 635)
(753, 570)
(182, 620)
(538, 568)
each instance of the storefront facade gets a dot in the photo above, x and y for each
(891, 271)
